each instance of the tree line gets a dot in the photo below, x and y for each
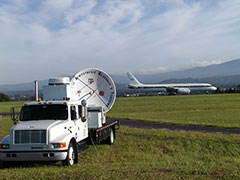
(4, 97)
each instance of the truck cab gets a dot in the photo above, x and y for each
(45, 131)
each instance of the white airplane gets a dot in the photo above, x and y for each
(185, 88)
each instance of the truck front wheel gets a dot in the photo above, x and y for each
(1, 164)
(71, 156)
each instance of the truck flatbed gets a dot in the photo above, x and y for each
(99, 135)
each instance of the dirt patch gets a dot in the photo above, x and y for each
(155, 125)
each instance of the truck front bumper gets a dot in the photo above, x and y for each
(33, 155)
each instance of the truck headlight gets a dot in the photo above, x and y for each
(59, 145)
(4, 146)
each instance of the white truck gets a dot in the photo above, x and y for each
(71, 115)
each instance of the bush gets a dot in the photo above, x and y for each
(4, 97)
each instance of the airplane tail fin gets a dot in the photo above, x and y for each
(133, 80)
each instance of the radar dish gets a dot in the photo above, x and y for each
(96, 87)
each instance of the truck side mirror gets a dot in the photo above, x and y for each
(73, 113)
(84, 111)
(12, 111)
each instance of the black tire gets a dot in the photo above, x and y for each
(1, 164)
(110, 139)
(5, 164)
(71, 155)
(76, 154)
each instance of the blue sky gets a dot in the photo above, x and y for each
(48, 38)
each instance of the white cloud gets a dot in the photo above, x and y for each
(39, 34)
(117, 36)
(79, 11)
(153, 70)
(58, 5)
(195, 63)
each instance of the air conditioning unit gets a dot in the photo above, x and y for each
(59, 81)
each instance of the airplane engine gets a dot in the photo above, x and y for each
(183, 91)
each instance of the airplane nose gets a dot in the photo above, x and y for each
(214, 88)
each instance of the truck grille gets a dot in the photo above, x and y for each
(30, 137)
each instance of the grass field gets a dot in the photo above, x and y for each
(144, 154)
(5, 106)
(153, 154)
(216, 110)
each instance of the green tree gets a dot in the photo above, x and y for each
(4, 97)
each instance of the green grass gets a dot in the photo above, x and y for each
(5, 106)
(216, 110)
(153, 154)
(147, 154)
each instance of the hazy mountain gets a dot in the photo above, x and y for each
(22, 86)
(225, 69)
(218, 81)
(216, 73)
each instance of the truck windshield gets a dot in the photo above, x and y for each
(44, 112)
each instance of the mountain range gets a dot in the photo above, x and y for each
(227, 73)
(216, 70)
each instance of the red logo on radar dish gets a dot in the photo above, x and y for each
(90, 80)
(78, 93)
(101, 93)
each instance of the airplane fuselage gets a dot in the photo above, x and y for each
(180, 88)
(162, 87)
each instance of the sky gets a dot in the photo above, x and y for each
(41, 39)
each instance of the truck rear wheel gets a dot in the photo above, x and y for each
(110, 139)
(71, 156)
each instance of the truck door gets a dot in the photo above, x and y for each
(83, 123)
(74, 122)
(78, 127)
